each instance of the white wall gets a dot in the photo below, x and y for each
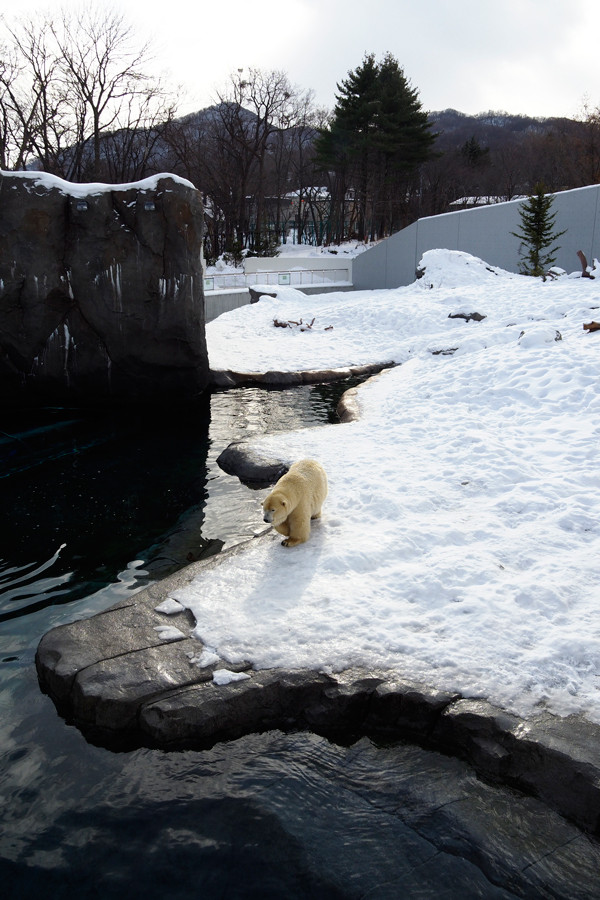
(485, 232)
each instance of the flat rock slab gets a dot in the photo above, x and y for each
(227, 378)
(126, 681)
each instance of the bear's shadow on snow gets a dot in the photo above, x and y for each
(290, 571)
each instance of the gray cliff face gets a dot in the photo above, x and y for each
(101, 295)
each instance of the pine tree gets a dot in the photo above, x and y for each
(378, 133)
(474, 154)
(537, 233)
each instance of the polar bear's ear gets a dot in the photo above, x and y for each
(283, 501)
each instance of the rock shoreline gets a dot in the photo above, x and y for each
(123, 685)
(241, 460)
(227, 378)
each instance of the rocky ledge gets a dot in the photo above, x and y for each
(101, 299)
(227, 378)
(129, 676)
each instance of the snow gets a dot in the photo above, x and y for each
(169, 633)
(71, 189)
(207, 657)
(460, 539)
(347, 250)
(226, 676)
(169, 607)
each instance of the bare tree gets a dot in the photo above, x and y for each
(104, 76)
(137, 146)
(587, 145)
(199, 149)
(255, 108)
(12, 137)
(302, 175)
(76, 96)
(35, 113)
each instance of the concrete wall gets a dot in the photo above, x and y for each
(484, 232)
(217, 302)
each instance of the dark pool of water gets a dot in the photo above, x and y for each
(95, 505)
(88, 503)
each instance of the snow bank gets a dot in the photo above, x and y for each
(460, 539)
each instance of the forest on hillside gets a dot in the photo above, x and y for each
(76, 100)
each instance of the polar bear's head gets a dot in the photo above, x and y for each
(276, 508)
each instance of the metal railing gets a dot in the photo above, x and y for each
(223, 281)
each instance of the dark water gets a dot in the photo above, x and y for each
(90, 507)
(91, 503)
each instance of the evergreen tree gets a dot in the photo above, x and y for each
(342, 149)
(473, 153)
(537, 233)
(378, 133)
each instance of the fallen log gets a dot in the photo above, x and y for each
(584, 266)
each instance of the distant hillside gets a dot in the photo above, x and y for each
(492, 129)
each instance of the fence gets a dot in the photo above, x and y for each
(226, 281)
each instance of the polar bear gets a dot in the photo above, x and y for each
(296, 499)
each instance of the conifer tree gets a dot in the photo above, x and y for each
(537, 233)
(378, 133)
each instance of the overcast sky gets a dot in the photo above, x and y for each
(537, 57)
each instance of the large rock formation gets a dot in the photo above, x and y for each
(101, 293)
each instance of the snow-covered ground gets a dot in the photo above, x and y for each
(460, 541)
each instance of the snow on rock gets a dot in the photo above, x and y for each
(206, 658)
(460, 539)
(452, 269)
(169, 633)
(539, 335)
(225, 676)
(72, 189)
(169, 607)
